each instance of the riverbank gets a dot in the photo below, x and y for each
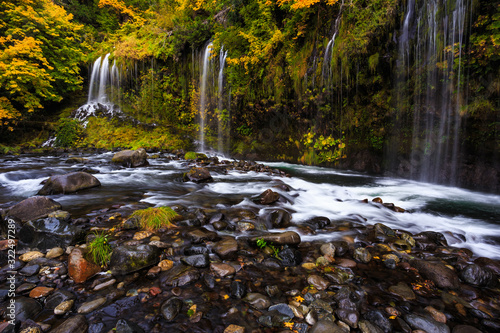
(238, 260)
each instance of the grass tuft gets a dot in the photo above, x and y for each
(154, 218)
(100, 250)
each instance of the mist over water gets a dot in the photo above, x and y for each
(457, 213)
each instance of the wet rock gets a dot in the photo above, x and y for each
(41, 291)
(64, 307)
(281, 238)
(59, 296)
(34, 208)
(290, 257)
(367, 327)
(104, 285)
(29, 326)
(346, 263)
(75, 324)
(131, 158)
(197, 260)
(279, 218)
(90, 306)
(350, 317)
(125, 326)
(403, 291)
(436, 315)
(238, 289)
(31, 255)
(318, 282)
(465, 329)
(69, 183)
(318, 222)
(339, 276)
(325, 326)
(54, 253)
(79, 268)
(378, 319)
(126, 259)
(361, 254)
(199, 235)
(198, 175)
(234, 329)
(30, 270)
(48, 233)
(25, 287)
(341, 248)
(179, 276)
(165, 265)
(258, 301)
(493, 265)
(438, 273)
(222, 270)
(328, 249)
(267, 197)
(25, 308)
(171, 308)
(428, 325)
(431, 236)
(282, 308)
(227, 248)
(195, 249)
(478, 276)
(245, 226)
(321, 306)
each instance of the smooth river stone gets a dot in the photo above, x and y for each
(90, 306)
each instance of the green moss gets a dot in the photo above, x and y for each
(191, 155)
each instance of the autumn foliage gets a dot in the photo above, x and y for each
(39, 57)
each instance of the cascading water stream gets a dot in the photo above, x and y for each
(104, 90)
(204, 93)
(326, 71)
(428, 88)
(222, 118)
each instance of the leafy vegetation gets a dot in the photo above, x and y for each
(154, 218)
(68, 133)
(40, 54)
(99, 250)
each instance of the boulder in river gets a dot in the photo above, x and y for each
(69, 183)
(131, 158)
(48, 233)
(438, 273)
(267, 197)
(34, 208)
(198, 175)
(127, 259)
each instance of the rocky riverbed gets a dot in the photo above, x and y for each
(236, 268)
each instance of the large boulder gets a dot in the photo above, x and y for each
(438, 273)
(48, 233)
(126, 259)
(34, 208)
(131, 158)
(198, 175)
(69, 183)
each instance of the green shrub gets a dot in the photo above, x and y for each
(155, 218)
(100, 250)
(68, 132)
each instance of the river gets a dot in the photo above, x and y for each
(467, 218)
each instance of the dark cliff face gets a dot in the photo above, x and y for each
(404, 88)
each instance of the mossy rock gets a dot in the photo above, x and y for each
(191, 155)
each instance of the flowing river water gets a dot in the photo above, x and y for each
(467, 219)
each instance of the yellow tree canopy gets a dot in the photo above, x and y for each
(39, 57)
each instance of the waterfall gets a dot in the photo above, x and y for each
(222, 118)
(104, 89)
(326, 71)
(429, 97)
(204, 92)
